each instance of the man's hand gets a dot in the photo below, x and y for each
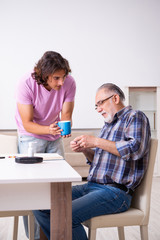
(66, 136)
(82, 142)
(54, 129)
(76, 147)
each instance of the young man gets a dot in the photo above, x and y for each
(44, 97)
(118, 159)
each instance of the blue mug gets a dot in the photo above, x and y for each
(65, 126)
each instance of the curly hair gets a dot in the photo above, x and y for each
(49, 64)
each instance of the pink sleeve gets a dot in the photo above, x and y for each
(23, 92)
(71, 90)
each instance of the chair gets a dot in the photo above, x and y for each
(138, 213)
(8, 145)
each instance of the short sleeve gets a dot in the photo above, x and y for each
(70, 89)
(23, 92)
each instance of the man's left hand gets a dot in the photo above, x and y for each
(66, 136)
(86, 141)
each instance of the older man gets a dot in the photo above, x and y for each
(118, 159)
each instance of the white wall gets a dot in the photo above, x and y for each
(104, 40)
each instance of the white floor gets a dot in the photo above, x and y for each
(131, 233)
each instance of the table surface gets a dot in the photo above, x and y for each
(45, 185)
(52, 169)
(27, 186)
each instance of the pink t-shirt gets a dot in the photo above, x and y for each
(47, 105)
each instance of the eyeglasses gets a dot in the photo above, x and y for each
(99, 103)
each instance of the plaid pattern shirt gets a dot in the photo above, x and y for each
(130, 130)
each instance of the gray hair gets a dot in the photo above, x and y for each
(113, 88)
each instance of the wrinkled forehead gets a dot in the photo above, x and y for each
(102, 93)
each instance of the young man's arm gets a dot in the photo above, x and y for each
(26, 114)
(67, 110)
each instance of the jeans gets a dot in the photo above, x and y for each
(40, 146)
(88, 200)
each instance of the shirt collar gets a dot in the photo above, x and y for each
(123, 111)
(120, 113)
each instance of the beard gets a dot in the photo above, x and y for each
(109, 117)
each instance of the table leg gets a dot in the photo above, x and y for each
(61, 211)
(42, 235)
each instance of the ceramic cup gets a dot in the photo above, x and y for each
(65, 126)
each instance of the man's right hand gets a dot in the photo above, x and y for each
(76, 147)
(54, 129)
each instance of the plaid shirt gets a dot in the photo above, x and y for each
(130, 130)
